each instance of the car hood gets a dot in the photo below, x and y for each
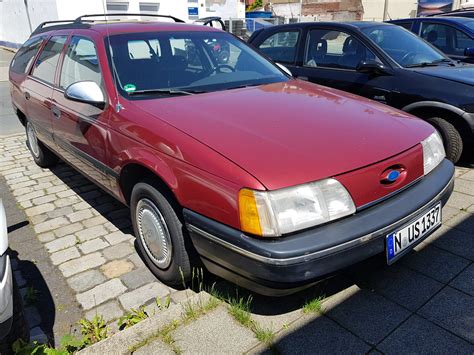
(290, 133)
(461, 73)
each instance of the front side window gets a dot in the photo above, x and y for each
(80, 63)
(186, 61)
(437, 35)
(45, 65)
(25, 55)
(281, 46)
(461, 42)
(335, 49)
(404, 47)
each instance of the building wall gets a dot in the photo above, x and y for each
(373, 9)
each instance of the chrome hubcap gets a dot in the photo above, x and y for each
(154, 233)
(32, 140)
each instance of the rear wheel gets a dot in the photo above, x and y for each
(41, 154)
(452, 139)
(160, 233)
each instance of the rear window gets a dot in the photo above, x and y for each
(281, 46)
(25, 55)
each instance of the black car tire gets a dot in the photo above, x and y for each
(452, 139)
(19, 328)
(41, 154)
(148, 196)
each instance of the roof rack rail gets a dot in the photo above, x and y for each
(80, 18)
(42, 24)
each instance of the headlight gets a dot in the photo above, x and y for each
(433, 152)
(273, 213)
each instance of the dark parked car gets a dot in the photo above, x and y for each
(454, 36)
(214, 162)
(385, 63)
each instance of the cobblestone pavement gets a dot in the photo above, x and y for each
(423, 303)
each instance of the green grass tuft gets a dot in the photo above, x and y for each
(314, 306)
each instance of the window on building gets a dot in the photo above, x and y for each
(149, 8)
(80, 63)
(45, 65)
(281, 46)
(25, 55)
(116, 6)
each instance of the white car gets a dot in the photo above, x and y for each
(6, 279)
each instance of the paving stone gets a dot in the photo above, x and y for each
(51, 224)
(44, 199)
(22, 184)
(69, 229)
(316, 335)
(62, 256)
(59, 212)
(137, 278)
(110, 311)
(436, 263)
(135, 258)
(116, 268)
(45, 237)
(366, 314)
(30, 196)
(61, 243)
(142, 295)
(80, 215)
(94, 221)
(23, 191)
(117, 237)
(91, 233)
(66, 193)
(38, 219)
(454, 241)
(452, 310)
(93, 245)
(68, 201)
(118, 251)
(83, 263)
(86, 280)
(101, 293)
(154, 347)
(215, 330)
(25, 204)
(423, 337)
(465, 281)
(32, 316)
(81, 206)
(469, 175)
(33, 211)
(463, 221)
(408, 288)
(464, 186)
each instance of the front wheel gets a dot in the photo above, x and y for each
(42, 156)
(160, 235)
(452, 139)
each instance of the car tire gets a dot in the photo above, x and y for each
(19, 328)
(452, 139)
(161, 236)
(42, 155)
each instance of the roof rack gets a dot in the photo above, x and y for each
(80, 18)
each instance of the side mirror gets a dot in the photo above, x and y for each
(86, 91)
(285, 69)
(469, 52)
(372, 67)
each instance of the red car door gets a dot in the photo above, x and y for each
(80, 128)
(38, 88)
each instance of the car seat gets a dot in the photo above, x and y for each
(353, 53)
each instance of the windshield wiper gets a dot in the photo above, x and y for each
(164, 91)
(242, 86)
(444, 60)
(422, 64)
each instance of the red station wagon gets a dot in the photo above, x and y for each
(273, 183)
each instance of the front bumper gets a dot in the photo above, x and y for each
(6, 297)
(285, 265)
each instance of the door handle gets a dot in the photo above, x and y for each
(27, 95)
(56, 111)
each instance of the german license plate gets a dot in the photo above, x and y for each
(404, 239)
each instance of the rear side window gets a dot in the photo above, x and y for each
(25, 55)
(281, 46)
(80, 63)
(45, 65)
(405, 25)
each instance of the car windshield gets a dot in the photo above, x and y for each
(404, 47)
(182, 63)
(469, 24)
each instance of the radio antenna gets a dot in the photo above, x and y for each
(118, 105)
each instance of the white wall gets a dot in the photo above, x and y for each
(288, 10)
(373, 9)
(14, 24)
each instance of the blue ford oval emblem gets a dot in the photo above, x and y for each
(393, 175)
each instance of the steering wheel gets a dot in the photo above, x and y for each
(407, 57)
(219, 67)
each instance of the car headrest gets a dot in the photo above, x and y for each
(432, 36)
